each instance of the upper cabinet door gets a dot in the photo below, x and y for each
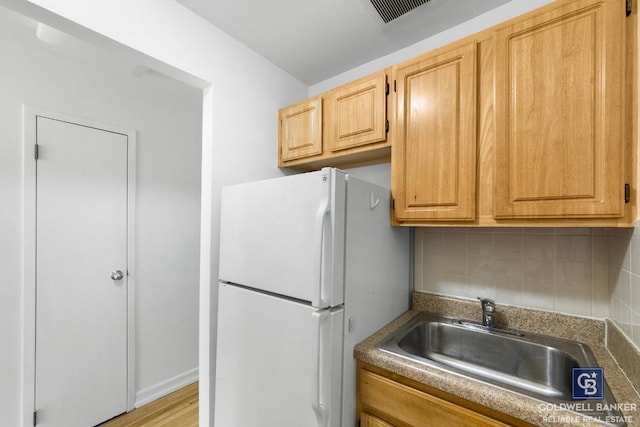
(356, 113)
(300, 130)
(559, 113)
(434, 155)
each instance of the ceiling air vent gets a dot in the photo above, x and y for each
(391, 9)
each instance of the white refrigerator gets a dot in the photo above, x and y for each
(309, 267)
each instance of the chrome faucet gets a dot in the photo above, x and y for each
(488, 312)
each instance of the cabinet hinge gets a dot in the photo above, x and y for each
(627, 193)
(393, 203)
(387, 89)
(386, 126)
(35, 151)
(35, 418)
(629, 7)
(394, 86)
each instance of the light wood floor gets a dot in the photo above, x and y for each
(178, 409)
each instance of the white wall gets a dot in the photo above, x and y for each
(241, 96)
(167, 116)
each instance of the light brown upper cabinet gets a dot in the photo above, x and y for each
(346, 127)
(300, 130)
(560, 139)
(355, 114)
(434, 155)
(532, 122)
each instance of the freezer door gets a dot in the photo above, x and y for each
(286, 236)
(278, 362)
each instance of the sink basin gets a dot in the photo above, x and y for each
(534, 365)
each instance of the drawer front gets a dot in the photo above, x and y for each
(415, 407)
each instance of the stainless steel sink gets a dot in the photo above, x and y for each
(535, 365)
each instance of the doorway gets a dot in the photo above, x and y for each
(81, 185)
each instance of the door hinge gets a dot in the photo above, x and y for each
(35, 151)
(35, 418)
(393, 203)
(386, 126)
(629, 7)
(627, 193)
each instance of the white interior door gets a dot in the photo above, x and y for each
(81, 300)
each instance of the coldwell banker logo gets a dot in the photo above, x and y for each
(588, 383)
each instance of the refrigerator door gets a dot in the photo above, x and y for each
(377, 279)
(286, 236)
(278, 361)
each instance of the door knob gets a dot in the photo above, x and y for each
(117, 275)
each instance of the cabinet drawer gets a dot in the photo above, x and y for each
(368, 420)
(415, 407)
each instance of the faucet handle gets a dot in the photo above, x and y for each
(488, 312)
(487, 304)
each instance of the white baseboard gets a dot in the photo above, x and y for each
(165, 387)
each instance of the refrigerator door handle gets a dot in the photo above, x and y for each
(318, 299)
(319, 402)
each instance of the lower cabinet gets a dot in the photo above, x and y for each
(386, 399)
(368, 420)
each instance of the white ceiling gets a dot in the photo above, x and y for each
(316, 39)
(16, 28)
(312, 40)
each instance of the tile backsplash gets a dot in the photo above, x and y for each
(592, 272)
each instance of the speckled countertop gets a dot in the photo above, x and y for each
(589, 331)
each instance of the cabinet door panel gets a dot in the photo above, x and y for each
(355, 114)
(435, 154)
(300, 130)
(559, 117)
